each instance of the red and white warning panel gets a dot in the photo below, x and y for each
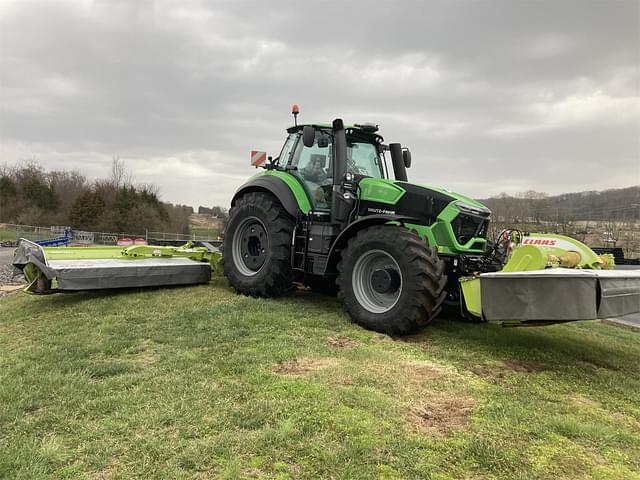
(258, 158)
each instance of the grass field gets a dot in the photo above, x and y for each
(201, 383)
(6, 234)
(206, 233)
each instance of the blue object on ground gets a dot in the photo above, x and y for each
(56, 242)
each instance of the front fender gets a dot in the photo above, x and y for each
(279, 188)
(353, 228)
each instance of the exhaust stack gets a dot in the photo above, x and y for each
(340, 145)
(341, 201)
(399, 169)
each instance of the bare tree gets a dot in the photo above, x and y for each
(119, 176)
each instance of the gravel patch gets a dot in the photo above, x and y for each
(7, 276)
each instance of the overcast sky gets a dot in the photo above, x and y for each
(500, 96)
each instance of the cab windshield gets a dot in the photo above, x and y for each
(363, 159)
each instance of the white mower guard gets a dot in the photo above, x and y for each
(559, 295)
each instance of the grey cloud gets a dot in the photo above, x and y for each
(479, 90)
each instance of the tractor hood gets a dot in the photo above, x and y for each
(422, 202)
(456, 196)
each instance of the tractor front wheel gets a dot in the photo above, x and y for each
(257, 246)
(390, 280)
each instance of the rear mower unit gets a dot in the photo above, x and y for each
(52, 269)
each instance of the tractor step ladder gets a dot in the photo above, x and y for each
(300, 248)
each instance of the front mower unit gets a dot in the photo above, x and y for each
(551, 279)
(559, 295)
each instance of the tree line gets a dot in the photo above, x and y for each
(30, 195)
(598, 218)
(622, 204)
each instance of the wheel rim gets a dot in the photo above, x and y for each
(250, 246)
(370, 273)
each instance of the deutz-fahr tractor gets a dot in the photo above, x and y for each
(327, 213)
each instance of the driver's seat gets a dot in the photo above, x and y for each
(318, 157)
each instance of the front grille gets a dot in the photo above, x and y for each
(466, 227)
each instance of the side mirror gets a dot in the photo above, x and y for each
(406, 156)
(308, 136)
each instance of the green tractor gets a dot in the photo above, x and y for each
(327, 213)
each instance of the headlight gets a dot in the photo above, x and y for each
(471, 209)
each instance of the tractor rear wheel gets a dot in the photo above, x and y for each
(257, 246)
(390, 280)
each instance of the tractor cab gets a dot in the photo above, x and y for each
(309, 154)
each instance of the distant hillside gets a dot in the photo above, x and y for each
(206, 225)
(599, 219)
(621, 204)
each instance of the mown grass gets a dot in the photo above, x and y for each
(202, 383)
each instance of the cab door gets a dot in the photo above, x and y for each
(314, 168)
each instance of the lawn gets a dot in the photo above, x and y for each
(7, 234)
(202, 383)
(205, 233)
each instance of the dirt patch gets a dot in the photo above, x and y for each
(148, 358)
(302, 366)
(381, 337)
(630, 422)
(443, 414)
(582, 400)
(498, 372)
(248, 472)
(102, 474)
(342, 342)
(521, 366)
(11, 288)
(108, 472)
(345, 381)
(419, 339)
(147, 354)
(424, 370)
(596, 364)
(488, 372)
(34, 410)
(417, 379)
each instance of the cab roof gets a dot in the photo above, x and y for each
(355, 128)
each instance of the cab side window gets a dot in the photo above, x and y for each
(314, 168)
(315, 157)
(285, 153)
